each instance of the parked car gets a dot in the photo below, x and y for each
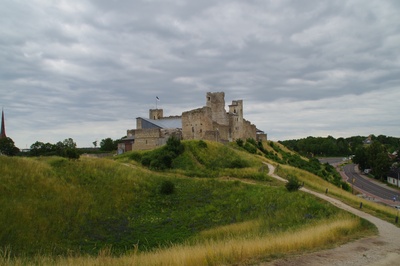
(397, 207)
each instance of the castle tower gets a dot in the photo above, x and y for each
(156, 114)
(216, 101)
(236, 108)
(3, 126)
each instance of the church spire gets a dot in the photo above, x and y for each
(3, 126)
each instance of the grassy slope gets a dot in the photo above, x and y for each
(317, 184)
(56, 206)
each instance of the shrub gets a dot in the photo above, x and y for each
(146, 160)
(250, 148)
(293, 184)
(252, 141)
(72, 154)
(174, 145)
(239, 142)
(238, 163)
(167, 188)
(136, 156)
(345, 186)
(202, 144)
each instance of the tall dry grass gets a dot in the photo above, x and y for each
(214, 252)
(318, 184)
(243, 249)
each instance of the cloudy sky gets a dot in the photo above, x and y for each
(86, 69)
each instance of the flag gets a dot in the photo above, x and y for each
(157, 98)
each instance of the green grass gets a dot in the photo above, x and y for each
(208, 159)
(318, 184)
(53, 206)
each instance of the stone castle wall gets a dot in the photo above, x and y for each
(196, 122)
(146, 139)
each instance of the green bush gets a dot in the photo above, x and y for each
(238, 163)
(167, 188)
(239, 142)
(202, 144)
(146, 160)
(293, 184)
(248, 146)
(136, 156)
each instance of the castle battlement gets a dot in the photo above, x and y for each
(211, 122)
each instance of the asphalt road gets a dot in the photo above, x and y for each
(369, 186)
(363, 183)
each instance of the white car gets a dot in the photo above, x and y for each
(397, 207)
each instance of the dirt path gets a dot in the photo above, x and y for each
(383, 249)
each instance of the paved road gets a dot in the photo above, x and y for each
(368, 186)
(371, 188)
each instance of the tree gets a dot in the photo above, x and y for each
(381, 165)
(66, 148)
(108, 144)
(7, 147)
(361, 158)
(36, 148)
(69, 143)
(374, 156)
(39, 148)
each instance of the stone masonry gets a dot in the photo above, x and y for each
(210, 122)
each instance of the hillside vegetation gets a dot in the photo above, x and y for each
(54, 206)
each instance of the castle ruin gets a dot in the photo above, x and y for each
(210, 122)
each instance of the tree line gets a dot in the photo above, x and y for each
(66, 148)
(342, 147)
(372, 152)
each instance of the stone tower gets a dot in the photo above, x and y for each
(236, 108)
(156, 114)
(216, 101)
(3, 126)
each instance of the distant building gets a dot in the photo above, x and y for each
(368, 140)
(393, 177)
(210, 122)
(3, 126)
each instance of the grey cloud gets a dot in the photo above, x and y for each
(71, 63)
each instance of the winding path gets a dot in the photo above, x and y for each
(383, 249)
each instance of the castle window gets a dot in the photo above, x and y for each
(192, 129)
(209, 98)
(234, 110)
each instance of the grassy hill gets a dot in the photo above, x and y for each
(54, 206)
